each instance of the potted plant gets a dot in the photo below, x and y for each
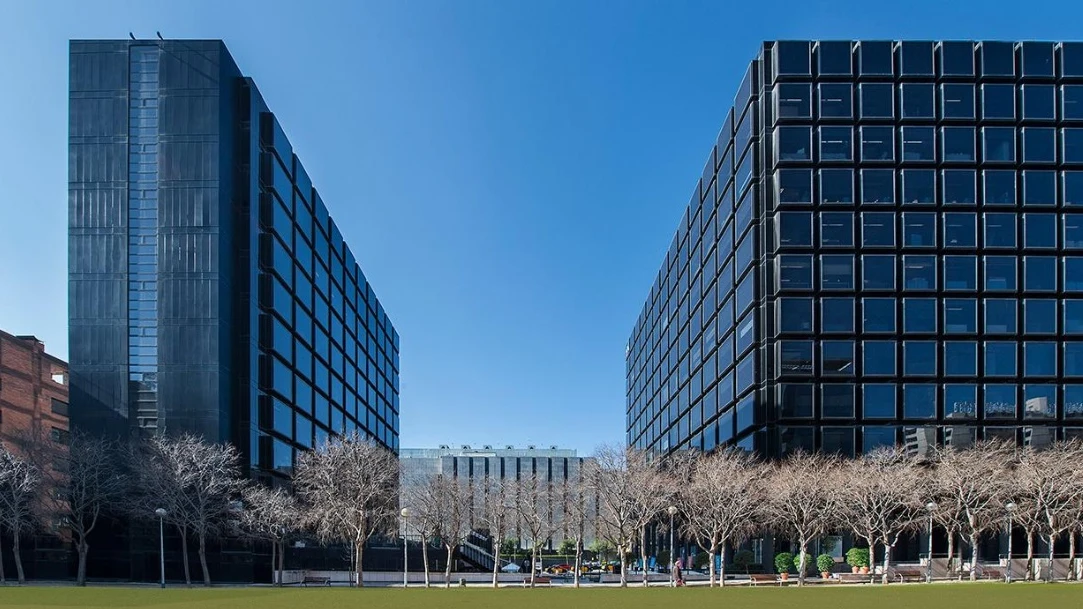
(858, 559)
(783, 564)
(825, 563)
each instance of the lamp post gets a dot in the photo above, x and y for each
(672, 511)
(405, 513)
(1010, 507)
(931, 507)
(161, 513)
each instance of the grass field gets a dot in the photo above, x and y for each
(955, 596)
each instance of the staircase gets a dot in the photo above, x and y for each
(477, 551)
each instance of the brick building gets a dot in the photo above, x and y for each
(33, 390)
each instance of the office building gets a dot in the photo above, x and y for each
(478, 467)
(885, 247)
(210, 290)
(33, 392)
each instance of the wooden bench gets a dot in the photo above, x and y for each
(855, 578)
(538, 580)
(906, 574)
(322, 580)
(756, 579)
(988, 573)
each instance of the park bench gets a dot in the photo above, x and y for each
(321, 580)
(538, 580)
(854, 578)
(906, 574)
(756, 579)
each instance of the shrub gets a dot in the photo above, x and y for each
(743, 560)
(783, 562)
(857, 557)
(825, 563)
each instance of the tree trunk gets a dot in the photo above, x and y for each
(1030, 554)
(1052, 540)
(281, 558)
(4, 577)
(447, 568)
(951, 552)
(80, 575)
(624, 552)
(643, 553)
(18, 558)
(203, 558)
(359, 568)
(578, 560)
(184, 554)
(533, 562)
(721, 566)
(801, 563)
(1071, 556)
(710, 568)
(274, 566)
(973, 557)
(496, 561)
(887, 562)
(425, 558)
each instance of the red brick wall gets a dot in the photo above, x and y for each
(27, 388)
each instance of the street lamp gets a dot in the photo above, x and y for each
(1010, 506)
(672, 511)
(405, 513)
(931, 507)
(161, 513)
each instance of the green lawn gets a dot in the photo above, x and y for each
(954, 596)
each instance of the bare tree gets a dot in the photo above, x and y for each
(721, 503)
(631, 492)
(804, 500)
(195, 481)
(533, 500)
(608, 477)
(497, 513)
(883, 498)
(92, 482)
(452, 497)
(1053, 488)
(349, 485)
(271, 515)
(580, 507)
(973, 480)
(422, 496)
(20, 483)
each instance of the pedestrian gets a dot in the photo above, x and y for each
(678, 580)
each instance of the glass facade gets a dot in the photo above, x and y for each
(210, 290)
(884, 247)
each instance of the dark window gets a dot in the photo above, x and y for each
(960, 273)
(837, 358)
(875, 437)
(1040, 230)
(878, 272)
(877, 144)
(1073, 188)
(795, 357)
(836, 186)
(1039, 359)
(1071, 105)
(877, 186)
(1040, 273)
(999, 358)
(875, 58)
(917, 100)
(1000, 187)
(997, 59)
(838, 440)
(1037, 59)
(959, 187)
(837, 315)
(795, 314)
(919, 229)
(794, 143)
(876, 100)
(794, 185)
(1039, 102)
(957, 59)
(878, 229)
(836, 229)
(960, 401)
(919, 401)
(919, 315)
(835, 57)
(960, 315)
(879, 403)
(960, 358)
(1000, 316)
(999, 144)
(795, 401)
(793, 58)
(794, 229)
(1000, 401)
(919, 358)
(60, 408)
(1039, 316)
(879, 357)
(60, 436)
(1000, 273)
(957, 101)
(836, 272)
(998, 101)
(958, 143)
(1000, 230)
(795, 272)
(836, 144)
(919, 186)
(879, 314)
(918, 143)
(917, 58)
(836, 101)
(1072, 140)
(1039, 145)
(919, 272)
(793, 100)
(960, 230)
(837, 401)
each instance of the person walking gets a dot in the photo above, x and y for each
(678, 578)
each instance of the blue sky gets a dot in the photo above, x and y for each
(509, 173)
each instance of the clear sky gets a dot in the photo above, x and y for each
(508, 173)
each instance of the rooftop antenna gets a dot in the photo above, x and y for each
(159, 35)
(132, 36)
